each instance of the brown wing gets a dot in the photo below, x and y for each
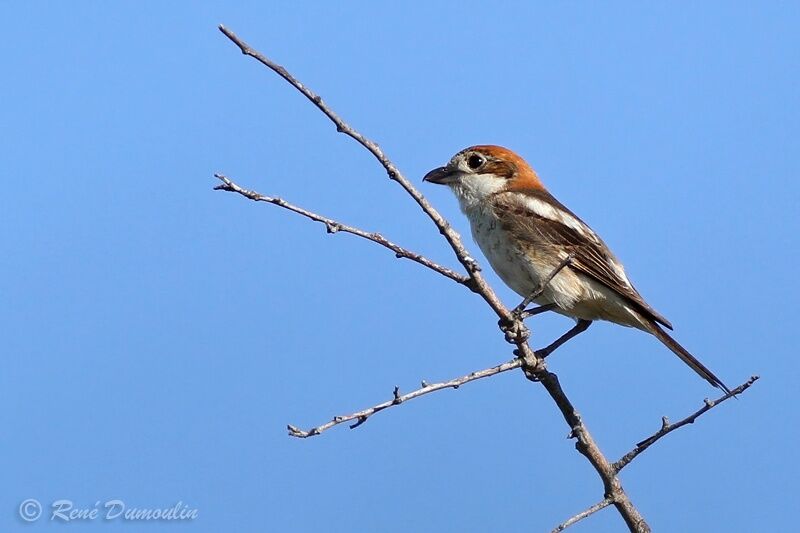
(590, 255)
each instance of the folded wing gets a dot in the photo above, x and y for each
(541, 217)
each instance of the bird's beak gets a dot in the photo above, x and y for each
(442, 176)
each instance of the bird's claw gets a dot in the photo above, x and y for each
(515, 330)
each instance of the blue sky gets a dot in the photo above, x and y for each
(158, 336)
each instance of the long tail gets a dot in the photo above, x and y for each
(687, 358)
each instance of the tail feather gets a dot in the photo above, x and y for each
(687, 358)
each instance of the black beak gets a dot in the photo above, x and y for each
(441, 176)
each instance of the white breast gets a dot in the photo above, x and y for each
(505, 258)
(524, 269)
(523, 266)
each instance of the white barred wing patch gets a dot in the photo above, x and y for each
(551, 212)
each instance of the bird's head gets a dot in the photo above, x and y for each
(478, 172)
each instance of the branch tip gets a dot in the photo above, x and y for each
(397, 398)
(296, 432)
(667, 427)
(333, 226)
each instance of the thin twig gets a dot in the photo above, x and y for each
(361, 416)
(533, 366)
(478, 284)
(587, 447)
(583, 514)
(332, 226)
(667, 428)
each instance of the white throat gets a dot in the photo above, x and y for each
(472, 189)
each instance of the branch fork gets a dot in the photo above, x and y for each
(511, 322)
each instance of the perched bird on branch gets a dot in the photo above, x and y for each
(526, 234)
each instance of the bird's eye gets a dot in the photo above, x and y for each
(475, 161)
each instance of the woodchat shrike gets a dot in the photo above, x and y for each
(526, 233)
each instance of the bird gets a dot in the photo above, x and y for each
(527, 235)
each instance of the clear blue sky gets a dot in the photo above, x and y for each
(158, 336)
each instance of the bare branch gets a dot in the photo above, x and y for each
(332, 226)
(516, 332)
(361, 416)
(588, 448)
(478, 284)
(583, 514)
(533, 366)
(667, 428)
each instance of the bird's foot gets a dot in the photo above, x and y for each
(514, 329)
